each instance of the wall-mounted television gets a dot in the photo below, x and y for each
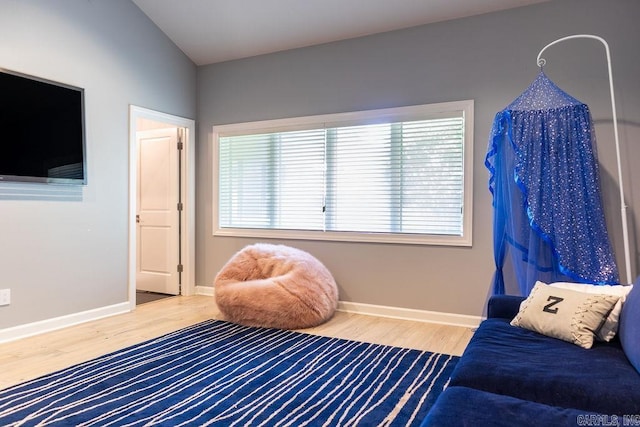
(42, 132)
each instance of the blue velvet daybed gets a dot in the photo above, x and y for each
(512, 376)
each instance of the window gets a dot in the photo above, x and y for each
(394, 175)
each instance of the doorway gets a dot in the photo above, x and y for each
(162, 204)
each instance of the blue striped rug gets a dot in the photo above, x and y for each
(218, 373)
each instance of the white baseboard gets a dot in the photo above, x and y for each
(411, 314)
(392, 312)
(205, 290)
(48, 325)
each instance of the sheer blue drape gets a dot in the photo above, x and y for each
(548, 222)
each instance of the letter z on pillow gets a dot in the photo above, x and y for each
(564, 314)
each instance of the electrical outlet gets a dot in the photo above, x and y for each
(5, 297)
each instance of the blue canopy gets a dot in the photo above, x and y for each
(549, 221)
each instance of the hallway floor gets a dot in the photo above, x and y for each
(145, 296)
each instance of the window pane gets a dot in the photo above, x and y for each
(432, 187)
(245, 181)
(299, 188)
(273, 181)
(360, 194)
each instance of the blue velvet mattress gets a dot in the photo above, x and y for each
(548, 371)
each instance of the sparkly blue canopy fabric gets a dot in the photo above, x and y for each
(549, 221)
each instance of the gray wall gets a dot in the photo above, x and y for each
(488, 58)
(64, 250)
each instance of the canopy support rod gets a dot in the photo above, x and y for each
(623, 207)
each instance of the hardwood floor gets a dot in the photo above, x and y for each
(32, 357)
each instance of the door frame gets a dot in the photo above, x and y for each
(187, 239)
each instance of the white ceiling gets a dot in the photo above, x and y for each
(210, 31)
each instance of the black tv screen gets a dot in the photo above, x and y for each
(42, 136)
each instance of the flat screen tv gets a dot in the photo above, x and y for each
(42, 135)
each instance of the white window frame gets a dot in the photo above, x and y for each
(419, 112)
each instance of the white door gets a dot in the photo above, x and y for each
(158, 217)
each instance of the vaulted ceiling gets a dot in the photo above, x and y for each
(210, 31)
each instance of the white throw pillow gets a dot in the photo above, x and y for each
(564, 314)
(610, 326)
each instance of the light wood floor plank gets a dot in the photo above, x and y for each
(32, 357)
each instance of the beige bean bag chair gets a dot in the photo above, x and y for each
(275, 286)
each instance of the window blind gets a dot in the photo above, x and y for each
(400, 177)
